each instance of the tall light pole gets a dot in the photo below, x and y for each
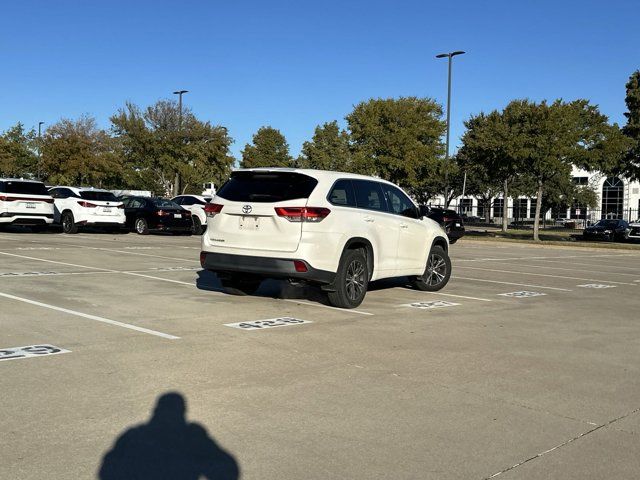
(176, 185)
(39, 148)
(450, 56)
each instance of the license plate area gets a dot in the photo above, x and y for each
(30, 204)
(249, 223)
(106, 210)
(177, 215)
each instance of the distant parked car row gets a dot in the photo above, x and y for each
(28, 202)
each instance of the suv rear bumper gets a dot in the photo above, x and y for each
(263, 266)
(10, 218)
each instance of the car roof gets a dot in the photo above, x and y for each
(82, 189)
(201, 197)
(19, 180)
(317, 174)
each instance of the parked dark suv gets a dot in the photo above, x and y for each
(450, 220)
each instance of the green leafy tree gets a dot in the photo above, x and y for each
(77, 152)
(631, 165)
(329, 149)
(18, 157)
(155, 146)
(400, 140)
(269, 148)
(548, 138)
(487, 154)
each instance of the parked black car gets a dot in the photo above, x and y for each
(146, 214)
(450, 220)
(608, 229)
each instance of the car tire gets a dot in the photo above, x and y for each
(197, 228)
(68, 223)
(245, 285)
(437, 272)
(140, 226)
(352, 280)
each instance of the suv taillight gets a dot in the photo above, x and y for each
(121, 206)
(303, 214)
(87, 204)
(162, 213)
(211, 209)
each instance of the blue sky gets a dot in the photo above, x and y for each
(295, 64)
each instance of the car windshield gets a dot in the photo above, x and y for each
(248, 186)
(164, 203)
(28, 188)
(98, 196)
(607, 223)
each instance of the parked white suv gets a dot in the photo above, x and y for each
(338, 230)
(25, 202)
(195, 204)
(76, 207)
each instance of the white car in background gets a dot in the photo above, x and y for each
(635, 230)
(195, 204)
(79, 206)
(336, 230)
(25, 202)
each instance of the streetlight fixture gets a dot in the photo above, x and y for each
(176, 184)
(180, 93)
(450, 56)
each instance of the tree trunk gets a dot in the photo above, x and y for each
(487, 210)
(536, 221)
(505, 207)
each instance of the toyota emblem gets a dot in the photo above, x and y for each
(246, 209)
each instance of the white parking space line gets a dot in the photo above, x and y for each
(320, 305)
(610, 272)
(90, 317)
(460, 296)
(511, 283)
(56, 262)
(553, 257)
(594, 265)
(545, 275)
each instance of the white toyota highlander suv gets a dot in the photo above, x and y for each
(337, 230)
(76, 207)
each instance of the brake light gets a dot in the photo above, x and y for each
(5, 198)
(211, 209)
(121, 206)
(87, 204)
(162, 213)
(303, 214)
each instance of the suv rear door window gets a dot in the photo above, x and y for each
(369, 195)
(342, 194)
(28, 188)
(399, 203)
(267, 187)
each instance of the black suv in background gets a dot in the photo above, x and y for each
(450, 220)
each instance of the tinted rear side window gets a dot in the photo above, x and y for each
(99, 196)
(267, 187)
(28, 188)
(164, 203)
(342, 194)
(369, 195)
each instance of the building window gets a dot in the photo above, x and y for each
(532, 208)
(580, 180)
(466, 206)
(612, 198)
(497, 207)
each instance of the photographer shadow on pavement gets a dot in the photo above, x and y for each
(168, 447)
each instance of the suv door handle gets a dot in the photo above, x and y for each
(369, 219)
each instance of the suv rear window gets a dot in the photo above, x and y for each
(99, 196)
(267, 187)
(29, 188)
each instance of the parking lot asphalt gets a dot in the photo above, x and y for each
(468, 383)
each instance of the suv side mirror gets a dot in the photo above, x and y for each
(424, 211)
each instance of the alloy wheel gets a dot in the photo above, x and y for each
(354, 280)
(436, 270)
